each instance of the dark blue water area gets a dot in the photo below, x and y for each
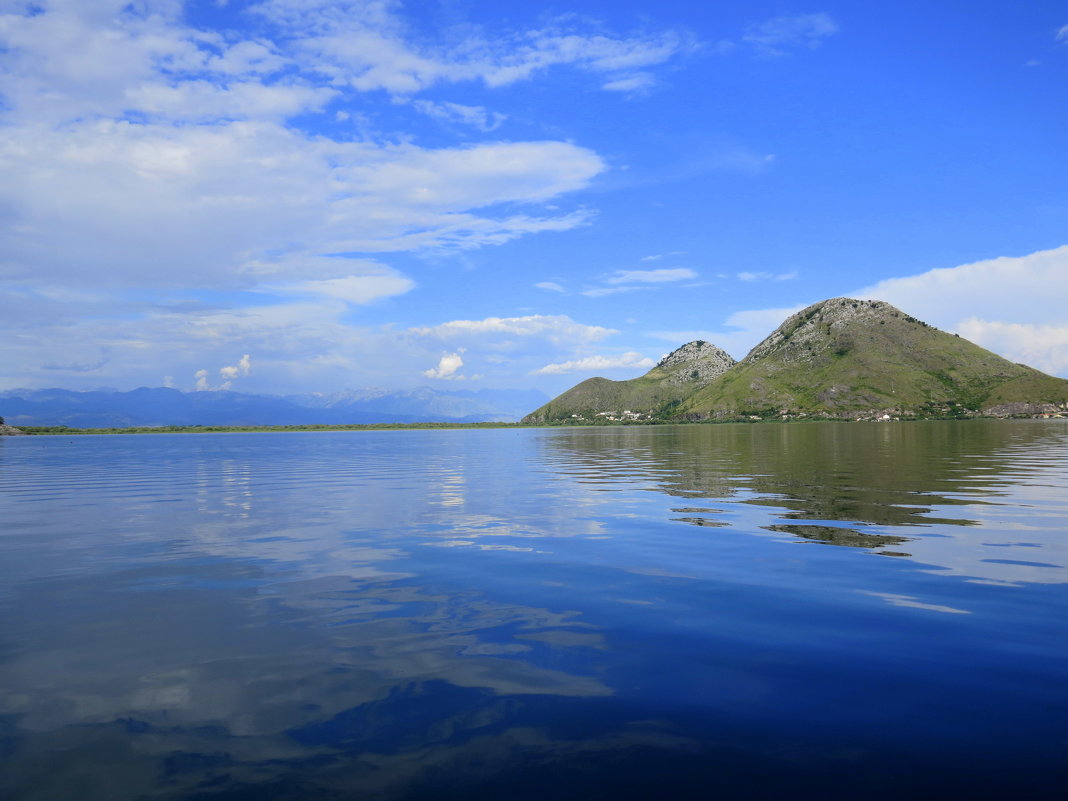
(809, 611)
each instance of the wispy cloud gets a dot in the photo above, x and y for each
(365, 49)
(629, 360)
(550, 286)
(766, 276)
(666, 275)
(602, 291)
(555, 328)
(371, 282)
(634, 280)
(474, 116)
(636, 82)
(779, 35)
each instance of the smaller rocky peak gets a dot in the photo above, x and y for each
(695, 361)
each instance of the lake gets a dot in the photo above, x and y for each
(824, 610)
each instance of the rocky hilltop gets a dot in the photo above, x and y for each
(846, 358)
(676, 377)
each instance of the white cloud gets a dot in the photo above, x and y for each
(177, 160)
(742, 330)
(550, 286)
(554, 328)
(659, 256)
(633, 280)
(165, 153)
(374, 283)
(1044, 347)
(447, 368)
(1029, 290)
(637, 82)
(242, 368)
(629, 360)
(227, 374)
(652, 276)
(366, 46)
(765, 276)
(600, 292)
(475, 116)
(165, 204)
(1014, 306)
(779, 35)
(1062, 34)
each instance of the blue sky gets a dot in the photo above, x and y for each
(297, 195)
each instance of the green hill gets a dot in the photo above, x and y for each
(838, 358)
(653, 395)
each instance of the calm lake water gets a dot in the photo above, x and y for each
(723, 611)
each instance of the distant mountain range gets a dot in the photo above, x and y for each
(840, 358)
(161, 406)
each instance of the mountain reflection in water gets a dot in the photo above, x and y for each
(572, 613)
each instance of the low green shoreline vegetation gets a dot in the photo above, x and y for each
(769, 416)
(61, 430)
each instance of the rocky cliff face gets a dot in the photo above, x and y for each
(696, 361)
(10, 431)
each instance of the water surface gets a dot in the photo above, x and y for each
(811, 610)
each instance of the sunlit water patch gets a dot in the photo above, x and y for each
(677, 612)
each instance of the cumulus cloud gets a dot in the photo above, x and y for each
(628, 360)
(241, 368)
(227, 374)
(1031, 288)
(447, 367)
(1011, 305)
(149, 204)
(1042, 346)
(177, 160)
(167, 154)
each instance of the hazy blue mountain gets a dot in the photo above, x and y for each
(160, 406)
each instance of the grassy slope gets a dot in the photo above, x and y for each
(645, 394)
(889, 360)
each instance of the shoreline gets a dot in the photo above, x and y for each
(312, 427)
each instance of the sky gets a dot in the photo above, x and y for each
(290, 196)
